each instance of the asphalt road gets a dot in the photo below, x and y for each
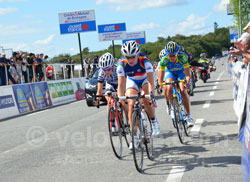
(71, 143)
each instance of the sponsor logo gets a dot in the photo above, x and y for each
(6, 101)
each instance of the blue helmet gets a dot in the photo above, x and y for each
(172, 48)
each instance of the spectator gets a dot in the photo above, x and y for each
(49, 71)
(41, 68)
(2, 70)
(95, 63)
(13, 72)
(73, 66)
(18, 63)
(87, 66)
(24, 68)
(68, 68)
(30, 61)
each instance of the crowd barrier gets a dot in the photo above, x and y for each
(241, 95)
(24, 98)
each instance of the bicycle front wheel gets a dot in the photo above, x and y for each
(116, 134)
(137, 141)
(177, 117)
(148, 141)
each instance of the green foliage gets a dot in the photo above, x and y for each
(211, 43)
(245, 12)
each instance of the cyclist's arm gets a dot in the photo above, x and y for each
(187, 73)
(161, 72)
(121, 80)
(150, 76)
(99, 88)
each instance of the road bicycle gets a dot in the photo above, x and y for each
(142, 130)
(180, 114)
(118, 120)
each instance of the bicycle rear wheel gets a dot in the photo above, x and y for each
(137, 141)
(179, 125)
(148, 138)
(115, 136)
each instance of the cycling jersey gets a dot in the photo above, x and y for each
(174, 70)
(204, 60)
(179, 66)
(137, 74)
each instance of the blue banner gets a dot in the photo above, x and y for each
(6, 101)
(78, 27)
(139, 41)
(41, 95)
(24, 98)
(112, 28)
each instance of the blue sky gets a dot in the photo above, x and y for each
(33, 26)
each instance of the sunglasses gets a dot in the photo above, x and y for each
(174, 55)
(130, 57)
(108, 69)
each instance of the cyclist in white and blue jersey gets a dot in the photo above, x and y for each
(135, 73)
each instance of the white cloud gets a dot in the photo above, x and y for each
(222, 6)
(74, 51)
(143, 27)
(4, 11)
(45, 41)
(193, 24)
(119, 5)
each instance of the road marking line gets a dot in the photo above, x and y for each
(176, 174)
(32, 114)
(214, 87)
(207, 104)
(197, 126)
(220, 75)
(211, 94)
(216, 83)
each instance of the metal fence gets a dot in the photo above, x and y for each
(48, 72)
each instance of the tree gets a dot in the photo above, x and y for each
(245, 12)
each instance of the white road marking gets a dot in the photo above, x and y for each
(207, 104)
(220, 75)
(176, 174)
(214, 87)
(216, 83)
(211, 94)
(32, 114)
(197, 126)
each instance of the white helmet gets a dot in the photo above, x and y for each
(130, 48)
(162, 53)
(106, 60)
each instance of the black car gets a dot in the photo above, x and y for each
(91, 88)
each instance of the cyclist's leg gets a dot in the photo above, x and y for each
(168, 89)
(184, 94)
(131, 89)
(109, 89)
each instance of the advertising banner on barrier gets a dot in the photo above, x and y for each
(41, 95)
(242, 93)
(24, 98)
(246, 138)
(78, 87)
(8, 106)
(61, 91)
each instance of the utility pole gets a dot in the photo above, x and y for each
(240, 28)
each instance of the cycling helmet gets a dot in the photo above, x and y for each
(202, 54)
(162, 53)
(130, 48)
(172, 48)
(181, 48)
(106, 60)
